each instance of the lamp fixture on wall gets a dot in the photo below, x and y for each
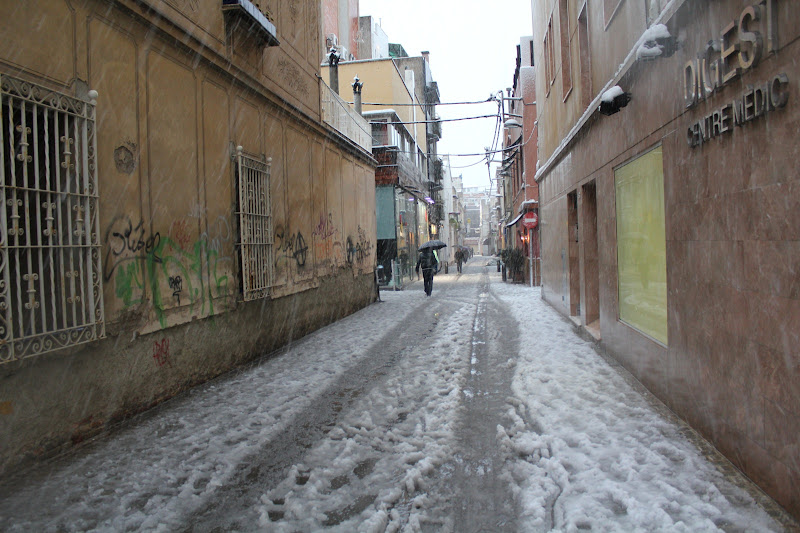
(613, 100)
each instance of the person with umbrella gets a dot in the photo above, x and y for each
(427, 260)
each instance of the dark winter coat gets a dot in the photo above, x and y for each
(427, 261)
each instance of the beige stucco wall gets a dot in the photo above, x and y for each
(175, 99)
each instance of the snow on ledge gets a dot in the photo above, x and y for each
(612, 93)
(666, 13)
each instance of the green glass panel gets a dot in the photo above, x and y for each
(641, 245)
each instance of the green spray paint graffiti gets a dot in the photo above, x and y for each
(146, 264)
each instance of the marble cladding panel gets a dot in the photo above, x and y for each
(778, 215)
(775, 323)
(782, 429)
(777, 375)
(774, 477)
(772, 268)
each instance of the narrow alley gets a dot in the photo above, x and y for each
(478, 409)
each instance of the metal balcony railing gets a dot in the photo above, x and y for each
(340, 116)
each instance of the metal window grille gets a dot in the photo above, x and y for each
(50, 285)
(255, 223)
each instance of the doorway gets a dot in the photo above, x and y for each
(573, 254)
(591, 259)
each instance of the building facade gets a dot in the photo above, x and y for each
(398, 99)
(341, 27)
(171, 193)
(670, 205)
(518, 169)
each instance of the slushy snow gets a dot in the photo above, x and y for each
(583, 447)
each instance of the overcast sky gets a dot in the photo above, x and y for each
(473, 46)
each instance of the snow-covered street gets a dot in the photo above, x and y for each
(478, 409)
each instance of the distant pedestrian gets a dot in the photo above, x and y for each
(427, 260)
(459, 259)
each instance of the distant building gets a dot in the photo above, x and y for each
(341, 28)
(373, 43)
(518, 169)
(399, 98)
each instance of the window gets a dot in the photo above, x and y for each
(51, 295)
(585, 58)
(641, 244)
(609, 9)
(255, 223)
(549, 61)
(530, 43)
(566, 68)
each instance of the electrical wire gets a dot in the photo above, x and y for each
(482, 161)
(435, 121)
(440, 103)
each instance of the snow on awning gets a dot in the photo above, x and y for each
(528, 203)
(514, 221)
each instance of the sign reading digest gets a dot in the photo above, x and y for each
(739, 48)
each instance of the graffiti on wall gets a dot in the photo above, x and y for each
(327, 241)
(359, 249)
(291, 246)
(161, 352)
(125, 242)
(324, 228)
(180, 232)
(144, 265)
(176, 284)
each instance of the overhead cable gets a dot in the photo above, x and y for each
(424, 104)
(435, 121)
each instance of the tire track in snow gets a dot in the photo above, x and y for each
(477, 491)
(233, 504)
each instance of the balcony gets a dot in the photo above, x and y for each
(340, 116)
(250, 20)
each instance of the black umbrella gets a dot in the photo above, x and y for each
(434, 245)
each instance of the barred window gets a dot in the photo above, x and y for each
(50, 285)
(255, 225)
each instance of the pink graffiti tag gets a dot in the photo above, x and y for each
(161, 352)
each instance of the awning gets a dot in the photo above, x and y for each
(514, 221)
(528, 203)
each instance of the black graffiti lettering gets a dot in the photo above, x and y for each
(351, 251)
(359, 251)
(176, 284)
(126, 242)
(292, 246)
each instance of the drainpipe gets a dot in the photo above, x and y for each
(357, 86)
(333, 63)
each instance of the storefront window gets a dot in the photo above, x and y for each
(641, 244)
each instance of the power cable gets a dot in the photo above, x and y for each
(424, 104)
(436, 121)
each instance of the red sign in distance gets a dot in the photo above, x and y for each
(530, 220)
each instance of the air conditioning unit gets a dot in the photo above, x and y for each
(331, 41)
